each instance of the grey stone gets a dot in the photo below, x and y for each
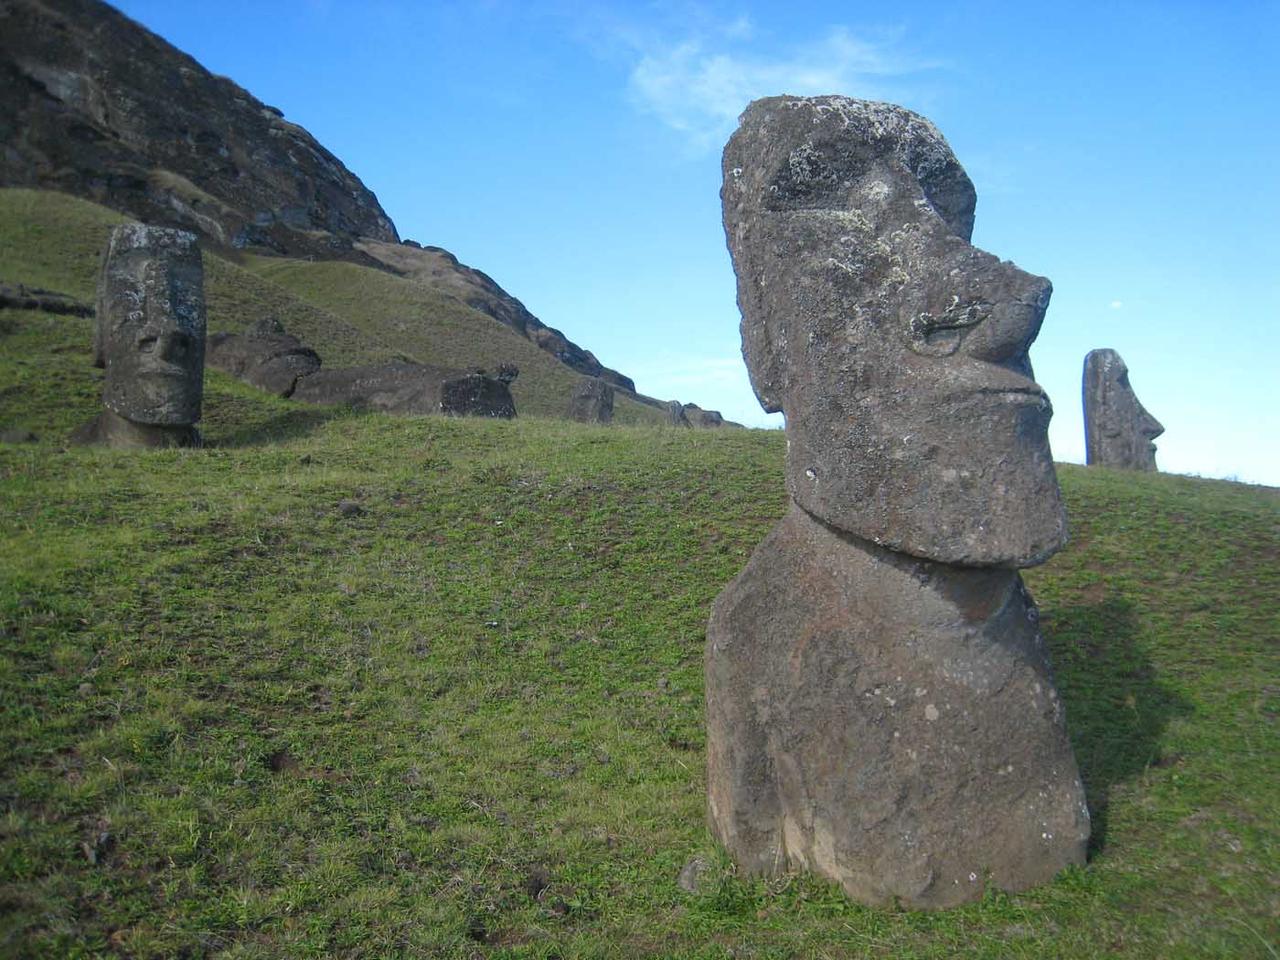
(110, 429)
(409, 388)
(265, 356)
(887, 722)
(150, 336)
(676, 416)
(694, 875)
(880, 707)
(591, 401)
(897, 350)
(150, 331)
(1118, 431)
(18, 435)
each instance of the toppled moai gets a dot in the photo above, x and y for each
(1118, 431)
(409, 388)
(265, 356)
(880, 705)
(591, 401)
(150, 337)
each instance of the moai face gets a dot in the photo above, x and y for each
(896, 349)
(1118, 429)
(151, 325)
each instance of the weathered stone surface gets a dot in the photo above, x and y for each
(409, 388)
(887, 722)
(676, 415)
(1118, 431)
(591, 401)
(897, 350)
(112, 430)
(880, 709)
(17, 435)
(93, 104)
(265, 356)
(150, 331)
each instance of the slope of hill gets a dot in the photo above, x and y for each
(93, 104)
(350, 314)
(466, 719)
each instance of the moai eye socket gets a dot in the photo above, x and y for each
(147, 344)
(940, 336)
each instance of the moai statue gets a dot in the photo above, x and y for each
(1118, 431)
(150, 336)
(676, 417)
(880, 705)
(591, 401)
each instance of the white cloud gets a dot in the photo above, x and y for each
(1117, 304)
(699, 84)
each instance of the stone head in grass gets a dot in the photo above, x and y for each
(150, 337)
(880, 707)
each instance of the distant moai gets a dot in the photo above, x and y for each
(676, 415)
(1118, 431)
(591, 401)
(880, 705)
(150, 337)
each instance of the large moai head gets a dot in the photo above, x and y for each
(1118, 430)
(895, 348)
(150, 332)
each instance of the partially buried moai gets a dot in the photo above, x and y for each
(1118, 431)
(880, 706)
(150, 337)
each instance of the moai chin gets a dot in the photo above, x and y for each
(880, 705)
(150, 336)
(1118, 431)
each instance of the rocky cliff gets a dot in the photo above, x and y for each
(94, 104)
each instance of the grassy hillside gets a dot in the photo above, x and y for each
(348, 313)
(466, 720)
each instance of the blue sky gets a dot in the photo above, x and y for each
(1128, 151)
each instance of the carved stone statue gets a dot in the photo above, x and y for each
(591, 401)
(1118, 431)
(880, 706)
(150, 336)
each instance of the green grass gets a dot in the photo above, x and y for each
(235, 722)
(350, 314)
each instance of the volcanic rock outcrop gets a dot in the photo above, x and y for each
(412, 388)
(95, 105)
(591, 401)
(265, 356)
(150, 336)
(1118, 431)
(880, 705)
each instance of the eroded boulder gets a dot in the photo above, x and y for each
(591, 401)
(880, 708)
(1118, 430)
(265, 356)
(409, 388)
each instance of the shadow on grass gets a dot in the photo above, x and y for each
(285, 426)
(1117, 709)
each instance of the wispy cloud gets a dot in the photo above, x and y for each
(699, 81)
